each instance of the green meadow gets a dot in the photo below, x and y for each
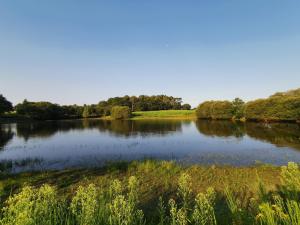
(164, 114)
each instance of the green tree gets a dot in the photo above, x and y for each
(215, 110)
(282, 106)
(203, 111)
(86, 111)
(133, 99)
(5, 105)
(120, 112)
(186, 107)
(238, 108)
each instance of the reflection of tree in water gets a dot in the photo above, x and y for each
(36, 129)
(140, 128)
(220, 128)
(5, 136)
(20, 165)
(280, 134)
(116, 127)
(50, 128)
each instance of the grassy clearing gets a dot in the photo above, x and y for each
(165, 114)
(153, 192)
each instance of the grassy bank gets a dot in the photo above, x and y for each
(164, 114)
(161, 114)
(154, 192)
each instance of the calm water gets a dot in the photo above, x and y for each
(84, 143)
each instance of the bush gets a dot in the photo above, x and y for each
(5, 106)
(215, 110)
(39, 110)
(203, 111)
(186, 107)
(274, 108)
(222, 110)
(120, 112)
(283, 106)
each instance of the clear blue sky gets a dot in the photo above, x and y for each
(67, 51)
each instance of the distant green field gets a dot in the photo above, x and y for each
(165, 114)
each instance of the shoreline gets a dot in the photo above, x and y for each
(191, 118)
(153, 115)
(155, 179)
(212, 173)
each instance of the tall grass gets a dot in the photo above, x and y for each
(120, 204)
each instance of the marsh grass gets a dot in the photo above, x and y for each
(152, 193)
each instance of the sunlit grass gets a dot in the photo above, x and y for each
(154, 192)
(165, 114)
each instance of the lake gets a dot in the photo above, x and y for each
(89, 143)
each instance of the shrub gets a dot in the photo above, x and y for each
(222, 110)
(86, 111)
(120, 112)
(203, 111)
(215, 110)
(281, 106)
(5, 106)
(186, 107)
(238, 108)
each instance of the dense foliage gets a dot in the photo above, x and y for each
(120, 112)
(220, 109)
(47, 110)
(120, 202)
(280, 106)
(5, 105)
(143, 103)
(186, 107)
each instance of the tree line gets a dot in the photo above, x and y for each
(282, 106)
(120, 107)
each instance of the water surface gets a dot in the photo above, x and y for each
(87, 143)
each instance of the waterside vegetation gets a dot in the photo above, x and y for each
(282, 106)
(154, 192)
(50, 111)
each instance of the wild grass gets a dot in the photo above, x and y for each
(153, 192)
(164, 114)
